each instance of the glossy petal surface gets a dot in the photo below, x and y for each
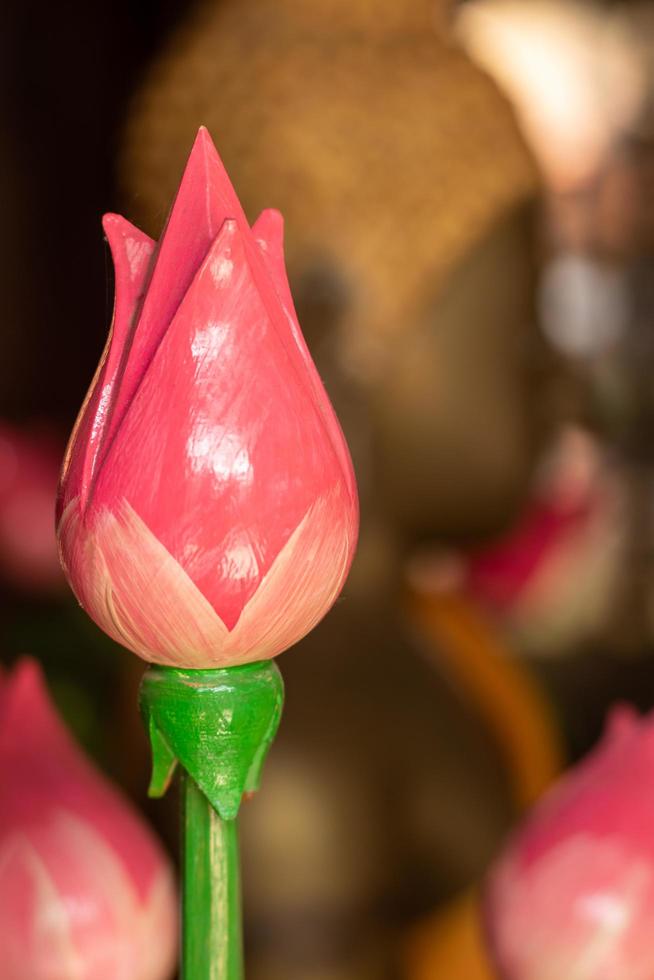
(132, 252)
(208, 510)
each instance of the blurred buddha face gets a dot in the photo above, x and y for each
(457, 416)
(403, 183)
(450, 387)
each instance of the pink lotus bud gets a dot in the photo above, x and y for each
(568, 530)
(29, 465)
(85, 891)
(572, 897)
(208, 511)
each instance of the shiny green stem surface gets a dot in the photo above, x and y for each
(212, 943)
(216, 726)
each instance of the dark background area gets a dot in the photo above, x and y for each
(66, 73)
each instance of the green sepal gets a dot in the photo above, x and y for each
(217, 724)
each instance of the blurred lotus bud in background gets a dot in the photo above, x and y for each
(85, 890)
(29, 469)
(552, 580)
(572, 896)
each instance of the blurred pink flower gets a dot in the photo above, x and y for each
(572, 896)
(29, 467)
(208, 512)
(85, 890)
(552, 579)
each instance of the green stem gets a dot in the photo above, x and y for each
(216, 726)
(212, 946)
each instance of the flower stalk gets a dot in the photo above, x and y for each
(218, 725)
(212, 936)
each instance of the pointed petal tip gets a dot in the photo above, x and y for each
(204, 137)
(115, 227)
(622, 718)
(27, 672)
(112, 223)
(23, 690)
(203, 145)
(269, 228)
(270, 218)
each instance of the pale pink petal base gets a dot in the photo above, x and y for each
(79, 917)
(583, 911)
(141, 596)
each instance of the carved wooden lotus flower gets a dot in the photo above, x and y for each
(207, 513)
(85, 890)
(573, 894)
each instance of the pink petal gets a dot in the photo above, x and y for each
(143, 598)
(131, 251)
(35, 939)
(269, 233)
(136, 591)
(68, 910)
(585, 911)
(85, 892)
(302, 584)
(223, 449)
(204, 201)
(40, 766)
(573, 893)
